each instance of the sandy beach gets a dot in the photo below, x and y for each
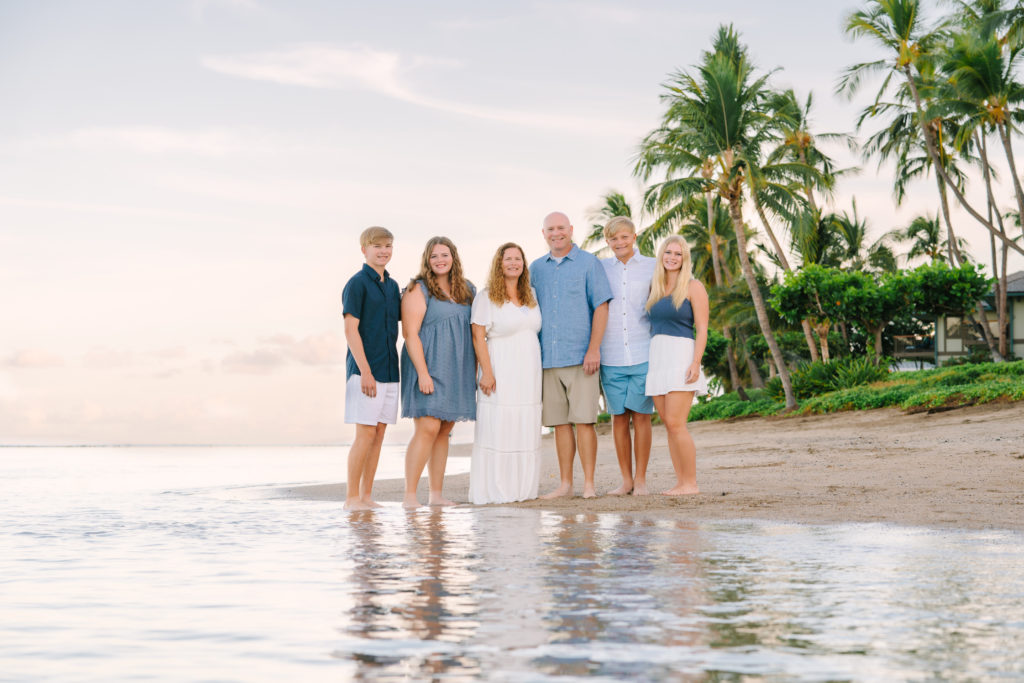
(961, 468)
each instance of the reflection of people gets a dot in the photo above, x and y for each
(573, 293)
(624, 353)
(370, 302)
(505, 464)
(438, 364)
(678, 310)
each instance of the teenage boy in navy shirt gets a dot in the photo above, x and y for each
(372, 305)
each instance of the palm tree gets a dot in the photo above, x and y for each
(850, 248)
(613, 203)
(915, 55)
(925, 237)
(718, 115)
(897, 26)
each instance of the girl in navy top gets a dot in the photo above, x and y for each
(678, 311)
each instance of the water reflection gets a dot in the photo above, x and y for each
(412, 577)
(473, 594)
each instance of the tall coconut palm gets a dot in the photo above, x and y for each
(718, 112)
(898, 27)
(925, 237)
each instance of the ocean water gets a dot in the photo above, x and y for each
(180, 565)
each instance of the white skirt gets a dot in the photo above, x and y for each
(666, 370)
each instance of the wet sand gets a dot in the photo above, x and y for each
(961, 468)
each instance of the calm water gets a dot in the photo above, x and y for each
(165, 565)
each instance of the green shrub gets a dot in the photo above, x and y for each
(815, 379)
(852, 372)
(719, 409)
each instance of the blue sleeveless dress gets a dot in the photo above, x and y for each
(448, 349)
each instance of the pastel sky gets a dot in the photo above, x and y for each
(182, 183)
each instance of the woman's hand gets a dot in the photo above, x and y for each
(487, 383)
(426, 384)
(693, 372)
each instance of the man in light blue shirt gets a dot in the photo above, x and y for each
(624, 350)
(573, 293)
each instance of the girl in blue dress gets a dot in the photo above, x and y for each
(678, 310)
(438, 371)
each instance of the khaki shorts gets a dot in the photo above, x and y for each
(569, 396)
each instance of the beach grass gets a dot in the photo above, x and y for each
(912, 391)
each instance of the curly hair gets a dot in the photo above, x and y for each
(461, 293)
(496, 281)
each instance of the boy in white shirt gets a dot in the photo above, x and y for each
(624, 350)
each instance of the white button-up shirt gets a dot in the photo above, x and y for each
(627, 338)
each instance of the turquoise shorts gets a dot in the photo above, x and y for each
(624, 389)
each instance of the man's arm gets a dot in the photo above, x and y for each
(355, 345)
(592, 359)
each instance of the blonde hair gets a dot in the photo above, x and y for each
(496, 282)
(375, 234)
(681, 291)
(461, 293)
(616, 224)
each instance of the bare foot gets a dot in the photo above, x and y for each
(589, 491)
(356, 505)
(371, 504)
(622, 490)
(681, 491)
(410, 503)
(560, 492)
(640, 489)
(441, 502)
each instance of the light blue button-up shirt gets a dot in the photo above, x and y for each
(568, 293)
(627, 339)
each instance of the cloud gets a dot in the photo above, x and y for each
(277, 351)
(320, 349)
(206, 142)
(108, 358)
(385, 73)
(34, 358)
(258, 362)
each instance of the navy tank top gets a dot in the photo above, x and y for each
(667, 319)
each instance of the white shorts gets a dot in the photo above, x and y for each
(670, 358)
(360, 409)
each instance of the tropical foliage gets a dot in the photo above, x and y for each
(801, 288)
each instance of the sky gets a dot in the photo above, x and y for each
(183, 182)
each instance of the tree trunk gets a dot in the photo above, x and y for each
(1002, 304)
(736, 212)
(711, 238)
(784, 262)
(878, 343)
(822, 329)
(1004, 135)
(756, 380)
(806, 325)
(771, 233)
(807, 187)
(734, 374)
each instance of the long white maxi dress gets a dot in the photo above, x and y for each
(505, 465)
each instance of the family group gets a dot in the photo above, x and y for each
(535, 347)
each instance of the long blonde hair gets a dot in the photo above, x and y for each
(461, 293)
(682, 289)
(496, 281)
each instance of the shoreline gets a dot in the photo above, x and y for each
(961, 468)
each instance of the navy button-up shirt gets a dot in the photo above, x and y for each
(376, 303)
(568, 293)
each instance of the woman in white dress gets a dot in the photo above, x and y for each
(505, 466)
(678, 310)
